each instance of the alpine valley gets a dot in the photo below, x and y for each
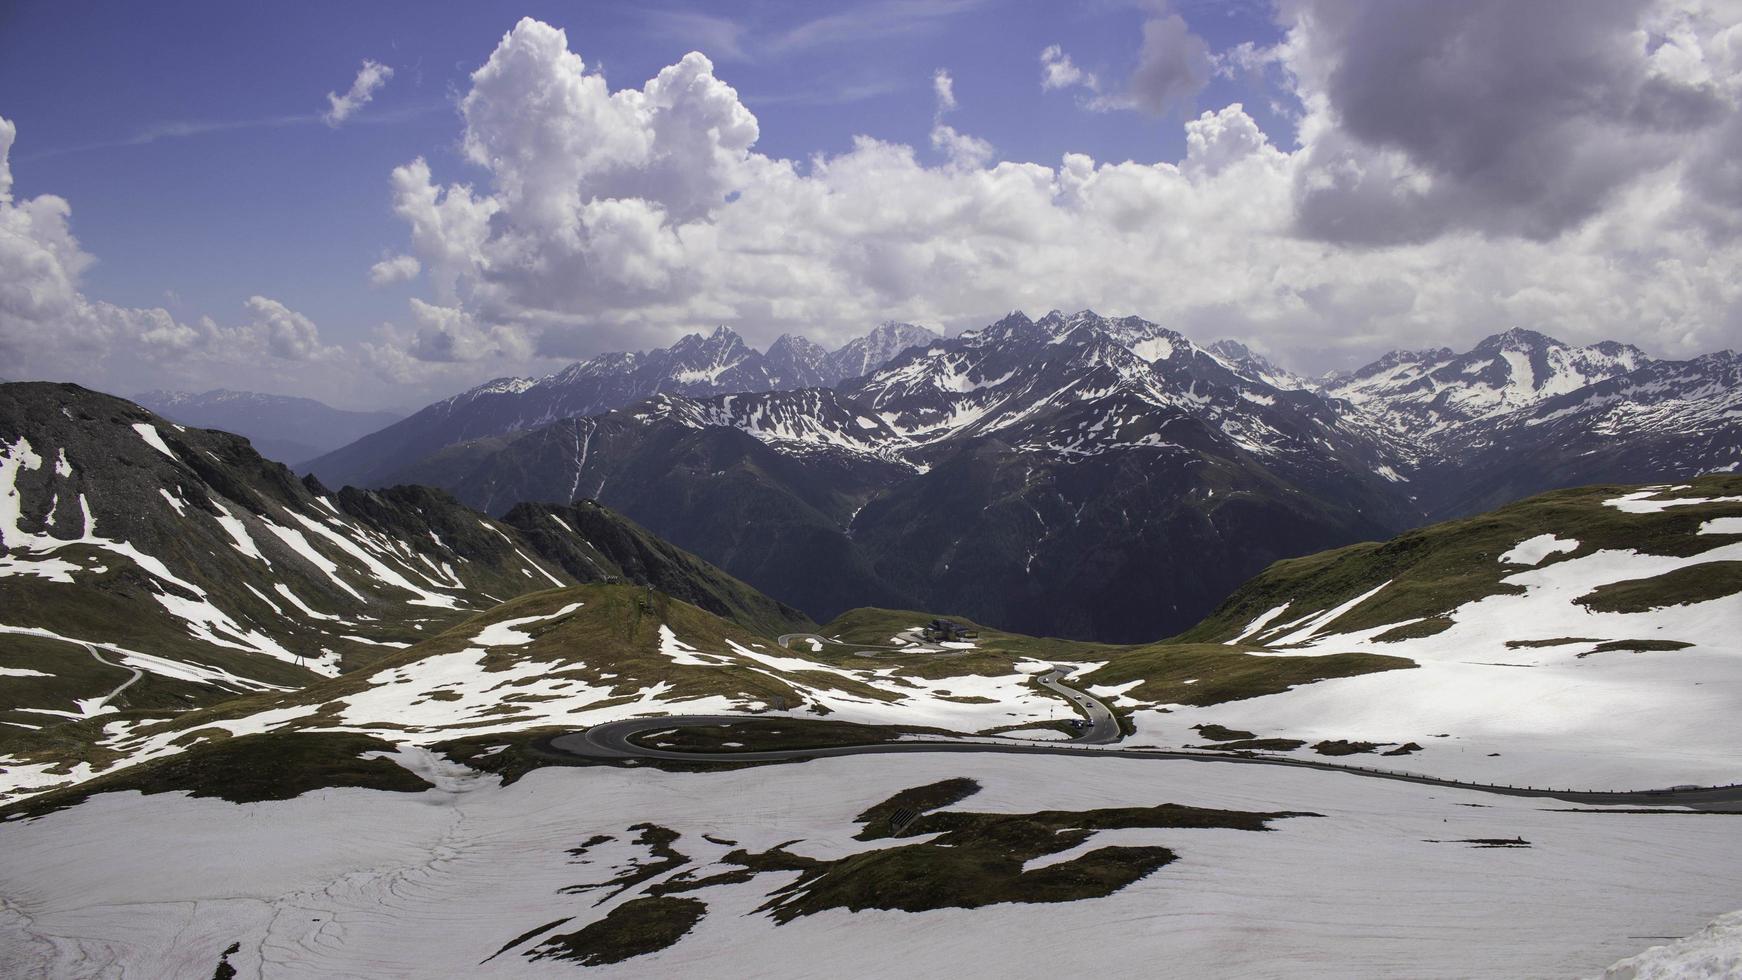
(1077, 475)
(585, 511)
(254, 727)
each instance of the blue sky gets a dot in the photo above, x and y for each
(188, 142)
(278, 203)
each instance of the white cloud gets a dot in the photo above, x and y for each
(1218, 140)
(643, 213)
(583, 218)
(944, 89)
(1058, 71)
(285, 332)
(962, 151)
(8, 133)
(49, 328)
(369, 78)
(395, 269)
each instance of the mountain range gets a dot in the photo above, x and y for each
(696, 366)
(1058, 475)
(288, 429)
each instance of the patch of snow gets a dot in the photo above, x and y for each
(113, 881)
(1711, 953)
(1329, 616)
(1531, 551)
(154, 439)
(1258, 624)
(174, 502)
(509, 632)
(284, 590)
(1641, 502)
(683, 654)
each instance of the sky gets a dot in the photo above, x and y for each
(382, 204)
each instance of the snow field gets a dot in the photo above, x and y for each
(1523, 715)
(358, 883)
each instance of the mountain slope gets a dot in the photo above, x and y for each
(1582, 636)
(778, 520)
(289, 430)
(147, 568)
(1669, 420)
(863, 355)
(1042, 475)
(592, 544)
(1045, 474)
(694, 366)
(1424, 393)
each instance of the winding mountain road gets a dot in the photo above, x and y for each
(100, 703)
(615, 741)
(1103, 724)
(785, 641)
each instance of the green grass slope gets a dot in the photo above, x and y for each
(1435, 569)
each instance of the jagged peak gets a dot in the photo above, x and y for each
(496, 386)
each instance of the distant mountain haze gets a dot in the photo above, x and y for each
(284, 428)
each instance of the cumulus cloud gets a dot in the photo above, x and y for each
(49, 328)
(646, 212)
(8, 133)
(369, 78)
(285, 332)
(964, 152)
(395, 269)
(1502, 118)
(1592, 194)
(1058, 71)
(1216, 141)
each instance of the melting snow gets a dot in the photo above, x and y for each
(1532, 551)
(1640, 502)
(152, 438)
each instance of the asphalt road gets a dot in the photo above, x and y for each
(1103, 725)
(137, 673)
(615, 741)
